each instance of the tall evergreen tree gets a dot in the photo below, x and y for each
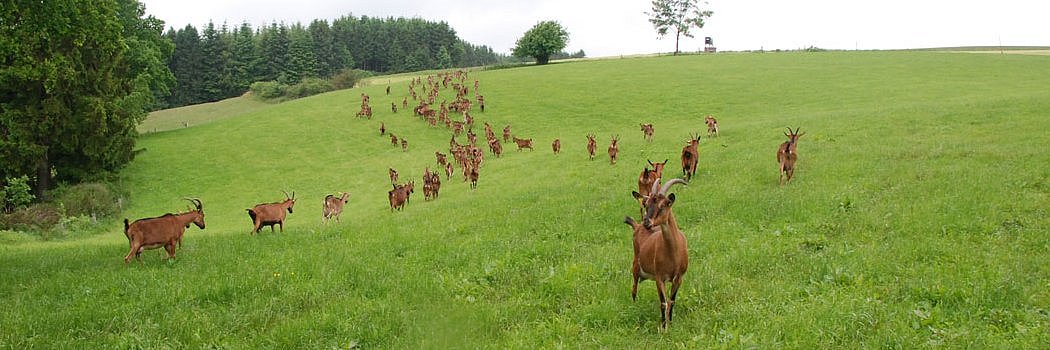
(187, 65)
(302, 59)
(272, 54)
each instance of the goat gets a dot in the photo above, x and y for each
(333, 207)
(163, 231)
(393, 107)
(506, 134)
(614, 149)
(472, 175)
(431, 184)
(441, 160)
(382, 129)
(393, 175)
(523, 143)
(271, 213)
(592, 145)
(648, 177)
(399, 195)
(660, 248)
(787, 154)
(690, 154)
(448, 170)
(496, 147)
(556, 146)
(393, 139)
(404, 145)
(712, 125)
(647, 131)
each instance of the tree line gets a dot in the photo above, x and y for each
(219, 62)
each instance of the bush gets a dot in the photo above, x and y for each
(16, 194)
(88, 199)
(267, 90)
(36, 217)
(308, 87)
(348, 78)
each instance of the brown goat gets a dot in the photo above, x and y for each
(661, 252)
(648, 177)
(523, 143)
(431, 184)
(333, 207)
(448, 170)
(614, 149)
(647, 131)
(163, 231)
(393, 175)
(441, 158)
(271, 214)
(393, 139)
(472, 175)
(556, 146)
(506, 134)
(496, 147)
(712, 126)
(787, 154)
(382, 129)
(399, 196)
(690, 155)
(592, 145)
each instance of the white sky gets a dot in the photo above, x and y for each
(618, 27)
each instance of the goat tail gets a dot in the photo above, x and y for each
(127, 225)
(252, 214)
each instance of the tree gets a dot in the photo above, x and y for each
(679, 16)
(70, 100)
(187, 63)
(543, 40)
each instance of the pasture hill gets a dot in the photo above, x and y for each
(916, 217)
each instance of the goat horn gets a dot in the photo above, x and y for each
(652, 191)
(286, 194)
(667, 186)
(196, 202)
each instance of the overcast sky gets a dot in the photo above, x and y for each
(620, 27)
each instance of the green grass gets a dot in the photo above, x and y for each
(187, 116)
(917, 218)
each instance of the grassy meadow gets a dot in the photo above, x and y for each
(917, 217)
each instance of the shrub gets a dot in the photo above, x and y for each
(88, 199)
(348, 78)
(268, 90)
(308, 87)
(36, 217)
(16, 193)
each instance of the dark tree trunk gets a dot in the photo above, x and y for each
(43, 177)
(541, 60)
(677, 35)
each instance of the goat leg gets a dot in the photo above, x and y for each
(677, 282)
(663, 303)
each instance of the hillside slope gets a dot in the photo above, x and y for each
(917, 216)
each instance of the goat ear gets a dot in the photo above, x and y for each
(670, 199)
(637, 195)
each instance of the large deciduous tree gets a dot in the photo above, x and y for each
(543, 40)
(678, 16)
(76, 78)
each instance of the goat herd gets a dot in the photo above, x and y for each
(660, 250)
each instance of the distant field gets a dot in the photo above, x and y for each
(183, 117)
(917, 219)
